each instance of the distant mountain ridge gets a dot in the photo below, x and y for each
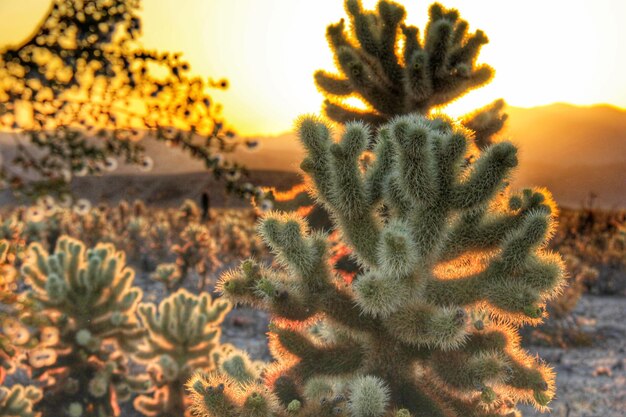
(568, 149)
(574, 135)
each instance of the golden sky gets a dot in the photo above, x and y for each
(544, 51)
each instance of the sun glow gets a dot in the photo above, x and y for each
(543, 52)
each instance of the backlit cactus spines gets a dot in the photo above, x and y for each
(237, 364)
(183, 335)
(440, 240)
(216, 394)
(396, 70)
(18, 401)
(89, 297)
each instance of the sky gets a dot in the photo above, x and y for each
(543, 51)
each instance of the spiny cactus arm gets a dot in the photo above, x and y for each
(119, 299)
(452, 55)
(217, 395)
(213, 395)
(281, 295)
(377, 33)
(528, 376)
(486, 122)
(467, 372)
(38, 272)
(305, 256)
(157, 344)
(427, 325)
(516, 282)
(485, 177)
(376, 176)
(340, 185)
(313, 359)
(18, 401)
(332, 84)
(417, 81)
(460, 85)
(412, 43)
(237, 364)
(480, 229)
(342, 113)
(365, 70)
(265, 288)
(368, 81)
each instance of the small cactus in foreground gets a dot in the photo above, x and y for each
(89, 298)
(452, 265)
(183, 335)
(18, 401)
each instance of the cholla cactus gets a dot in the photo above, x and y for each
(136, 237)
(189, 211)
(89, 298)
(564, 330)
(196, 252)
(160, 239)
(438, 239)
(404, 74)
(168, 274)
(183, 335)
(18, 401)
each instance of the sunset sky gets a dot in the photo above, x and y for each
(543, 51)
